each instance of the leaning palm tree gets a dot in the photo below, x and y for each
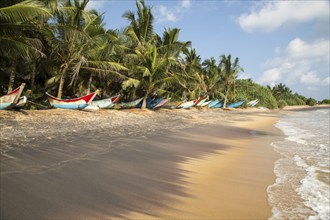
(229, 74)
(74, 37)
(15, 20)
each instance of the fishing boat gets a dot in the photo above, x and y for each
(105, 103)
(253, 103)
(219, 105)
(154, 102)
(150, 102)
(21, 102)
(214, 103)
(206, 103)
(161, 103)
(131, 104)
(76, 103)
(200, 99)
(11, 98)
(188, 104)
(235, 104)
(201, 102)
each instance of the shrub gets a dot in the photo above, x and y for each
(311, 102)
(282, 103)
(325, 101)
(248, 90)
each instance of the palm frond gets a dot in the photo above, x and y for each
(24, 11)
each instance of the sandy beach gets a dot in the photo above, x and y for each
(133, 164)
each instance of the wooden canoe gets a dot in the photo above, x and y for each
(105, 103)
(188, 104)
(161, 103)
(214, 103)
(205, 104)
(200, 99)
(199, 104)
(11, 98)
(76, 103)
(219, 105)
(235, 104)
(253, 103)
(131, 104)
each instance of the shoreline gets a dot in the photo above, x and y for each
(230, 183)
(172, 151)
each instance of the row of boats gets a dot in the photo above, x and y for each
(14, 99)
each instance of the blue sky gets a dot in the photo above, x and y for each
(276, 41)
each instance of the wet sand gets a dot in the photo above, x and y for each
(136, 164)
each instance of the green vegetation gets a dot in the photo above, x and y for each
(61, 47)
(311, 102)
(249, 90)
(325, 101)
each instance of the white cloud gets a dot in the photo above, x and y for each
(273, 75)
(186, 4)
(272, 15)
(166, 14)
(95, 4)
(300, 49)
(301, 62)
(310, 78)
(171, 14)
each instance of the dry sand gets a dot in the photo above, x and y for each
(137, 164)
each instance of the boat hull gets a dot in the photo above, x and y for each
(161, 103)
(235, 104)
(214, 103)
(131, 104)
(187, 104)
(105, 103)
(10, 99)
(74, 104)
(253, 103)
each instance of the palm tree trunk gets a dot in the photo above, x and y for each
(225, 102)
(62, 80)
(12, 76)
(89, 83)
(33, 75)
(144, 103)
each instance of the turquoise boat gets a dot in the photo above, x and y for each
(219, 105)
(235, 104)
(214, 103)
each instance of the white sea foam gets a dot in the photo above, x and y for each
(302, 187)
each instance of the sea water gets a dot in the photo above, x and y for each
(302, 186)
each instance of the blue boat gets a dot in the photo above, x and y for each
(235, 104)
(213, 103)
(150, 102)
(219, 105)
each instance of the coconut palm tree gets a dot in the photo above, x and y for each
(212, 77)
(76, 31)
(229, 74)
(15, 21)
(140, 29)
(194, 84)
